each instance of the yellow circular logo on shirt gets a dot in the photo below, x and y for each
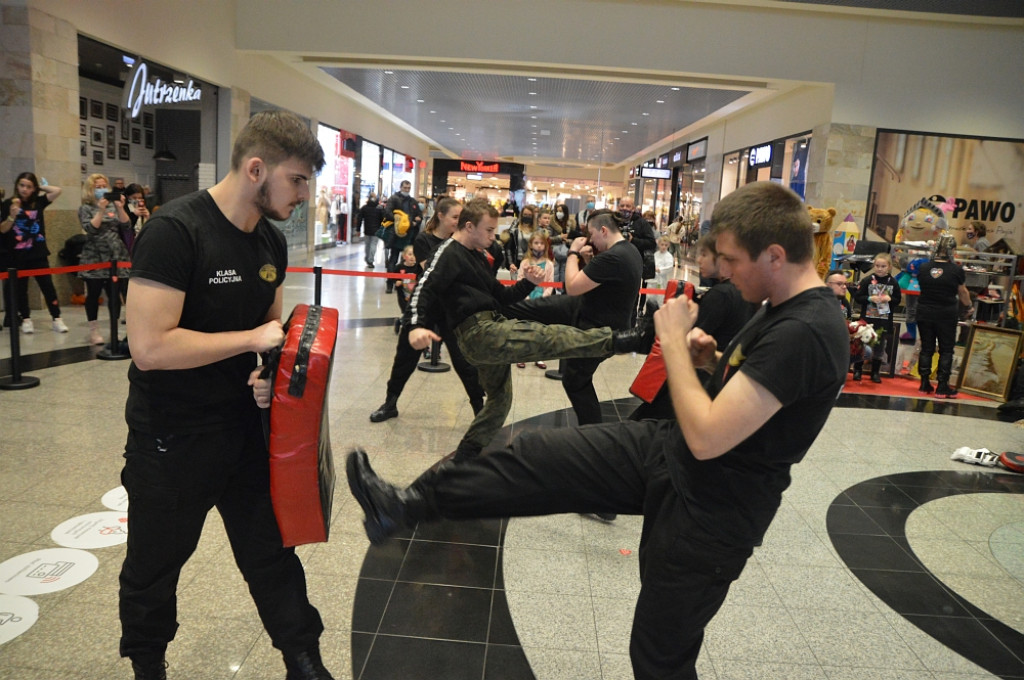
(268, 273)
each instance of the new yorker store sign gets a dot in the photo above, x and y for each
(140, 90)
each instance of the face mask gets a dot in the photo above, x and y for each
(559, 215)
(538, 252)
(590, 205)
(626, 214)
(372, 199)
(423, 206)
(403, 193)
(99, 193)
(527, 219)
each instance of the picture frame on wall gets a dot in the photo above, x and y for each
(82, 132)
(96, 136)
(97, 157)
(95, 108)
(147, 120)
(84, 169)
(112, 112)
(136, 135)
(126, 126)
(990, 359)
(83, 108)
(85, 151)
(111, 142)
(149, 139)
(123, 151)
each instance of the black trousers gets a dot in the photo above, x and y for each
(407, 358)
(173, 481)
(616, 468)
(940, 327)
(45, 282)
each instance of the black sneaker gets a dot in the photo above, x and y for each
(306, 666)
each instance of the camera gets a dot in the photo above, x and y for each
(112, 196)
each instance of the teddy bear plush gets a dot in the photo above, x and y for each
(822, 219)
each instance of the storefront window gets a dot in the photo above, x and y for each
(369, 171)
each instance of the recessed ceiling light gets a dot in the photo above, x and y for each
(442, 120)
(625, 132)
(531, 93)
(532, 106)
(633, 123)
(419, 101)
(405, 87)
(659, 101)
(534, 125)
(433, 111)
(675, 89)
(616, 138)
(532, 80)
(451, 128)
(389, 72)
(535, 118)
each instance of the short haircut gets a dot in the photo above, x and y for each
(707, 242)
(979, 228)
(765, 213)
(605, 218)
(274, 137)
(834, 272)
(475, 210)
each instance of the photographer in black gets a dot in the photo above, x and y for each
(640, 233)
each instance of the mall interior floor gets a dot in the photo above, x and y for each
(887, 560)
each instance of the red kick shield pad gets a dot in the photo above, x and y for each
(652, 375)
(301, 466)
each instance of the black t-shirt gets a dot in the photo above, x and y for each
(723, 312)
(611, 304)
(799, 351)
(940, 285)
(424, 246)
(26, 239)
(230, 279)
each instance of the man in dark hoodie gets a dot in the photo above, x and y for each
(369, 219)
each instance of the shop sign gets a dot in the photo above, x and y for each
(696, 150)
(140, 91)
(663, 161)
(761, 155)
(479, 166)
(677, 156)
(656, 173)
(474, 176)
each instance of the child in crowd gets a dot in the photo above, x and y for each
(664, 264)
(403, 287)
(879, 296)
(539, 255)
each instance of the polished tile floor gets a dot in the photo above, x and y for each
(887, 560)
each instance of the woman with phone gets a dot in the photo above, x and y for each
(103, 218)
(23, 246)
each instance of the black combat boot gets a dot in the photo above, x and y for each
(638, 339)
(858, 370)
(876, 368)
(388, 508)
(943, 389)
(926, 385)
(306, 666)
(152, 669)
(386, 411)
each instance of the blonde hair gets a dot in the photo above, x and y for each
(883, 256)
(89, 187)
(409, 250)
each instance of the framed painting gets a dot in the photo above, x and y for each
(83, 108)
(149, 139)
(95, 136)
(112, 112)
(147, 120)
(990, 360)
(95, 108)
(126, 125)
(123, 151)
(97, 157)
(136, 135)
(111, 142)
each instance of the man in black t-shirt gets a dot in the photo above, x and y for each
(709, 483)
(206, 297)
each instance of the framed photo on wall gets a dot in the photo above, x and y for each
(111, 142)
(136, 135)
(125, 125)
(147, 120)
(83, 108)
(95, 108)
(96, 136)
(84, 151)
(112, 112)
(123, 151)
(97, 157)
(149, 139)
(81, 130)
(990, 359)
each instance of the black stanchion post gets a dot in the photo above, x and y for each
(434, 365)
(318, 280)
(112, 350)
(554, 373)
(16, 381)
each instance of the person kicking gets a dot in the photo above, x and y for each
(709, 483)
(458, 280)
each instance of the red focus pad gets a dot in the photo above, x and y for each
(301, 466)
(652, 376)
(1012, 460)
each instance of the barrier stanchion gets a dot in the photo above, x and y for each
(318, 277)
(15, 381)
(435, 365)
(112, 350)
(554, 373)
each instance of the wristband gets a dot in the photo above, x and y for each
(576, 253)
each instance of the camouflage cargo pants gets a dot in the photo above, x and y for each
(492, 343)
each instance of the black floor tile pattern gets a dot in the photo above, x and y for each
(870, 538)
(437, 602)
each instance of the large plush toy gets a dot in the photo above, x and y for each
(822, 218)
(924, 222)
